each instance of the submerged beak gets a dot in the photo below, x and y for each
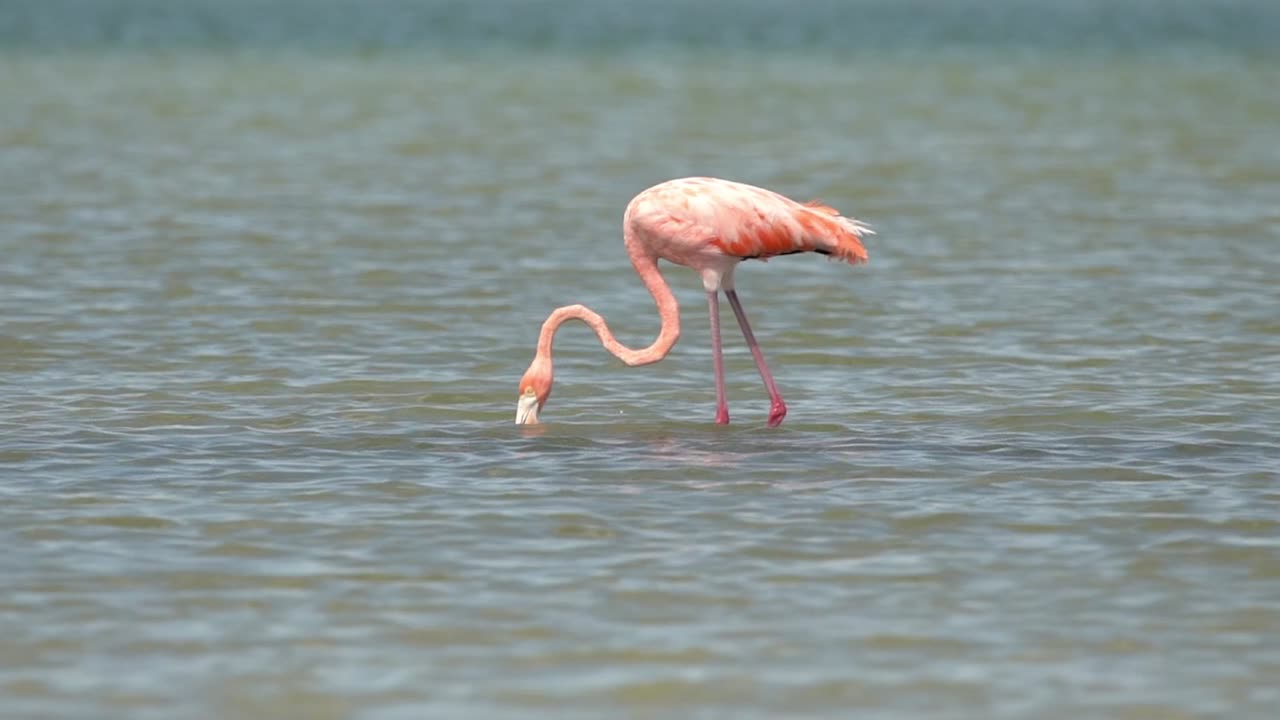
(527, 409)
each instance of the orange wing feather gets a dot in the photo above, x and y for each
(765, 224)
(820, 207)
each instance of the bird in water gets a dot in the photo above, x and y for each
(710, 225)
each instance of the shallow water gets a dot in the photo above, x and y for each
(266, 302)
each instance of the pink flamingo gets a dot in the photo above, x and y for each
(709, 225)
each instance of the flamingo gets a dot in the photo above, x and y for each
(709, 225)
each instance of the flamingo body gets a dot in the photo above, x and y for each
(713, 224)
(709, 225)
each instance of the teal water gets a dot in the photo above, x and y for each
(270, 274)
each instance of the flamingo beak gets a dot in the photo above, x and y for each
(527, 409)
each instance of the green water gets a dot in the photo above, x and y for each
(269, 275)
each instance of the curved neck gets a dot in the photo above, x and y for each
(646, 265)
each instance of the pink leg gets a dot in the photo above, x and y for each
(717, 358)
(778, 410)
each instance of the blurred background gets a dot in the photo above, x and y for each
(270, 271)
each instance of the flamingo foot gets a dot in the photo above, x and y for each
(722, 416)
(777, 412)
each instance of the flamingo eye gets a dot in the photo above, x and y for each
(528, 391)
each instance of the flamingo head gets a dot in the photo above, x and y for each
(535, 387)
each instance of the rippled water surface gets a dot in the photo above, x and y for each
(268, 286)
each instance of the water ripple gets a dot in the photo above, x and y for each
(264, 317)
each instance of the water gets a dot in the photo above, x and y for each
(270, 276)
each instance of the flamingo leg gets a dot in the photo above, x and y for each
(717, 357)
(778, 409)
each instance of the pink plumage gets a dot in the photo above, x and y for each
(709, 225)
(695, 215)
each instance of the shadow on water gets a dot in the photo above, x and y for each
(824, 450)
